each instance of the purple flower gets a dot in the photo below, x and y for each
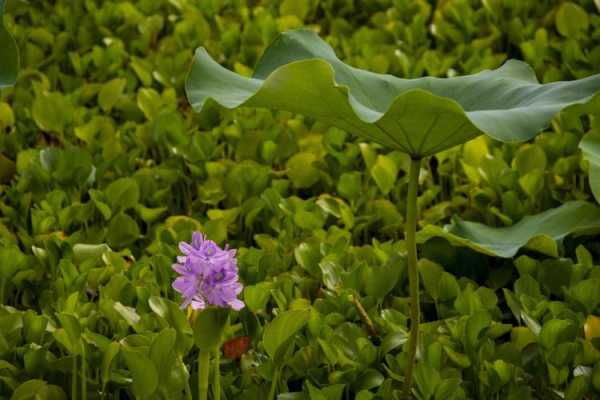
(208, 275)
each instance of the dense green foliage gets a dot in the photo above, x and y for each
(104, 169)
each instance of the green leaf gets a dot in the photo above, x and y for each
(149, 215)
(129, 314)
(257, 296)
(143, 371)
(571, 20)
(149, 101)
(209, 327)
(70, 166)
(122, 194)
(522, 337)
(538, 232)
(430, 276)
(476, 325)
(110, 93)
(384, 172)
(308, 255)
(586, 293)
(36, 389)
(529, 157)
(298, 8)
(299, 72)
(9, 66)
(52, 112)
(69, 335)
(459, 359)
(448, 287)
(577, 389)
(175, 318)
(107, 359)
(590, 146)
(98, 199)
(83, 252)
(280, 331)
(381, 280)
(122, 231)
(162, 352)
(369, 379)
(555, 332)
(301, 171)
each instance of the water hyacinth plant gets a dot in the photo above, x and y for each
(208, 283)
(299, 72)
(208, 275)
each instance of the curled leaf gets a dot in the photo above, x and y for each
(538, 232)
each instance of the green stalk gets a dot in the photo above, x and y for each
(83, 374)
(203, 372)
(74, 379)
(274, 384)
(413, 274)
(217, 376)
(188, 389)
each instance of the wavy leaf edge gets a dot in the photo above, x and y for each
(540, 240)
(520, 70)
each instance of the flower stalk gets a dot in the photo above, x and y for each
(413, 274)
(203, 373)
(217, 375)
(209, 285)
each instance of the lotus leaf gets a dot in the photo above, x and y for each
(299, 72)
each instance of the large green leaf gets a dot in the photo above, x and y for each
(299, 72)
(537, 232)
(281, 330)
(9, 56)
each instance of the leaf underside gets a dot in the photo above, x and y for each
(9, 57)
(538, 232)
(299, 72)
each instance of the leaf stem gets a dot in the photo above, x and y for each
(83, 374)
(74, 379)
(363, 314)
(413, 275)
(188, 389)
(217, 375)
(203, 372)
(274, 383)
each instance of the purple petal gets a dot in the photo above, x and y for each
(198, 304)
(197, 240)
(180, 284)
(236, 304)
(180, 269)
(185, 248)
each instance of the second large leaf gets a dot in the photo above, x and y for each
(538, 232)
(300, 73)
